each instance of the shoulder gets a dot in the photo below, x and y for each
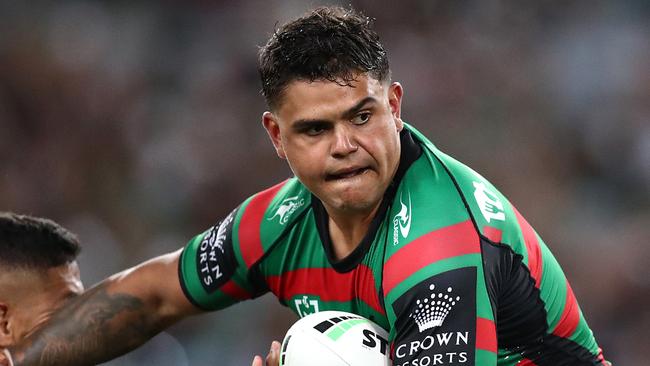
(492, 213)
(274, 208)
(267, 215)
(215, 266)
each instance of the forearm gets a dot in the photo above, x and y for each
(108, 320)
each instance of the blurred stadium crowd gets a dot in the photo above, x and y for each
(137, 125)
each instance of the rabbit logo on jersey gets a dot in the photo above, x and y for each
(287, 208)
(437, 321)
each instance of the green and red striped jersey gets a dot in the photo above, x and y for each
(448, 267)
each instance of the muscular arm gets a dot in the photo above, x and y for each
(114, 317)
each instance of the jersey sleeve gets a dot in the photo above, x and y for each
(225, 264)
(478, 286)
(210, 273)
(537, 312)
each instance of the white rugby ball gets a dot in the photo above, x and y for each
(335, 338)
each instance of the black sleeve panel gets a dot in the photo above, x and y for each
(520, 314)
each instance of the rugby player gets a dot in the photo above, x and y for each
(38, 273)
(376, 221)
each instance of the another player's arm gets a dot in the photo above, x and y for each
(114, 317)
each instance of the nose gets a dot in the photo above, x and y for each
(344, 142)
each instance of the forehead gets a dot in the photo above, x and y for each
(321, 98)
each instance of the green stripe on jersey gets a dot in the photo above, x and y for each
(483, 304)
(192, 281)
(296, 251)
(508, 358)
(485, 358)
(552, 287)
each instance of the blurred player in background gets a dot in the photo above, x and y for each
(39, 273)
(377, 221)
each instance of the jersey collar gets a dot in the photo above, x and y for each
(410, 152)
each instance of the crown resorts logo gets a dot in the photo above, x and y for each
(431, 311)
(210, 257)
(440, 326)
(287, 208)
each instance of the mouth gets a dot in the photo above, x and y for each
(346, 173)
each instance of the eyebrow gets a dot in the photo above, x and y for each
(306, 123)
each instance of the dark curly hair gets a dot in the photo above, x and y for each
(329, 43)
(35, 243)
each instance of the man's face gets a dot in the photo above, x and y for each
(28, 298)
(341, 141)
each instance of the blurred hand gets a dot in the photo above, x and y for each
(272, 359)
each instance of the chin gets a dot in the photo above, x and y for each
(352, 196)
(358, 201)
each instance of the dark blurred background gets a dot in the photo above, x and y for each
(137, 125)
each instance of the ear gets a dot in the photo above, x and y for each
(395, 93)
(270, 122)
(6, 335)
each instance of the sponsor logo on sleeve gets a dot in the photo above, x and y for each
(213, 259)
(436, 321)
(287, 207)
(402, 221)
(488, 202)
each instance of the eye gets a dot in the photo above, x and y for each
(361, 118)
(314, 130)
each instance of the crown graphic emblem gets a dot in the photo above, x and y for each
(431, 311)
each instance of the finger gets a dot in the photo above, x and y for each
(257, 361)
(5, 358)
(273, 358)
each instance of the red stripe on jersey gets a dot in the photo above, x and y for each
(570, 315)
(233, 290)
(450, 241)
(250, 241)
(492, 233)
(532, 248)
(526, 362)
(486, 335)
(327, 284)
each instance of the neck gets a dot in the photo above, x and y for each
(347, 229)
